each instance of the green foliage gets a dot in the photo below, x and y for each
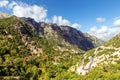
(18, 60)
(114, 41)
(106, 72)
(106, 51)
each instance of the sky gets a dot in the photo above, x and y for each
(100, 18)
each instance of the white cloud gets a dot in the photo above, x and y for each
(12, 4)
(60, 21)
(47, 21)
(104, 33)
(54, 19)
(3, 3)
(38, 13)
(117, 23)
(20, 9)
(117, 18)
(75, 25)
(100, 19)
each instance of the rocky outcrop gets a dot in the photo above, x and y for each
(36, 25)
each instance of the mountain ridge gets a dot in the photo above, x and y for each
(69, 34)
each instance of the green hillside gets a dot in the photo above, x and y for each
(24, 55)
(103, 62)
(114, 41)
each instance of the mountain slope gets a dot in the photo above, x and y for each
(31, 50)
(26, 55)
(74, 37)
(103, 61)
(94, 40)
(69, 34)
(45, 30)
(114, 41)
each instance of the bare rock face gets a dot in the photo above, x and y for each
(36, 25)
(69, 34)
(74, 37)
(4, 15)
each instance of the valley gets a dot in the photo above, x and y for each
(40, 51)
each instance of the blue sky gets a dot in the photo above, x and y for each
(97, 17)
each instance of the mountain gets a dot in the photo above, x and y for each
(26, 55)
(93, 39)
(74, 37)
(69, 34)
(39, 51)
(103, 61)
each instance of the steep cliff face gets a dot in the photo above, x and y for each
(74, 37)
(36, 25)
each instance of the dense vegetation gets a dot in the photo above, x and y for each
(103, 72)
(26, 56)
(114, 41)
(18, 61)
(110, 70)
